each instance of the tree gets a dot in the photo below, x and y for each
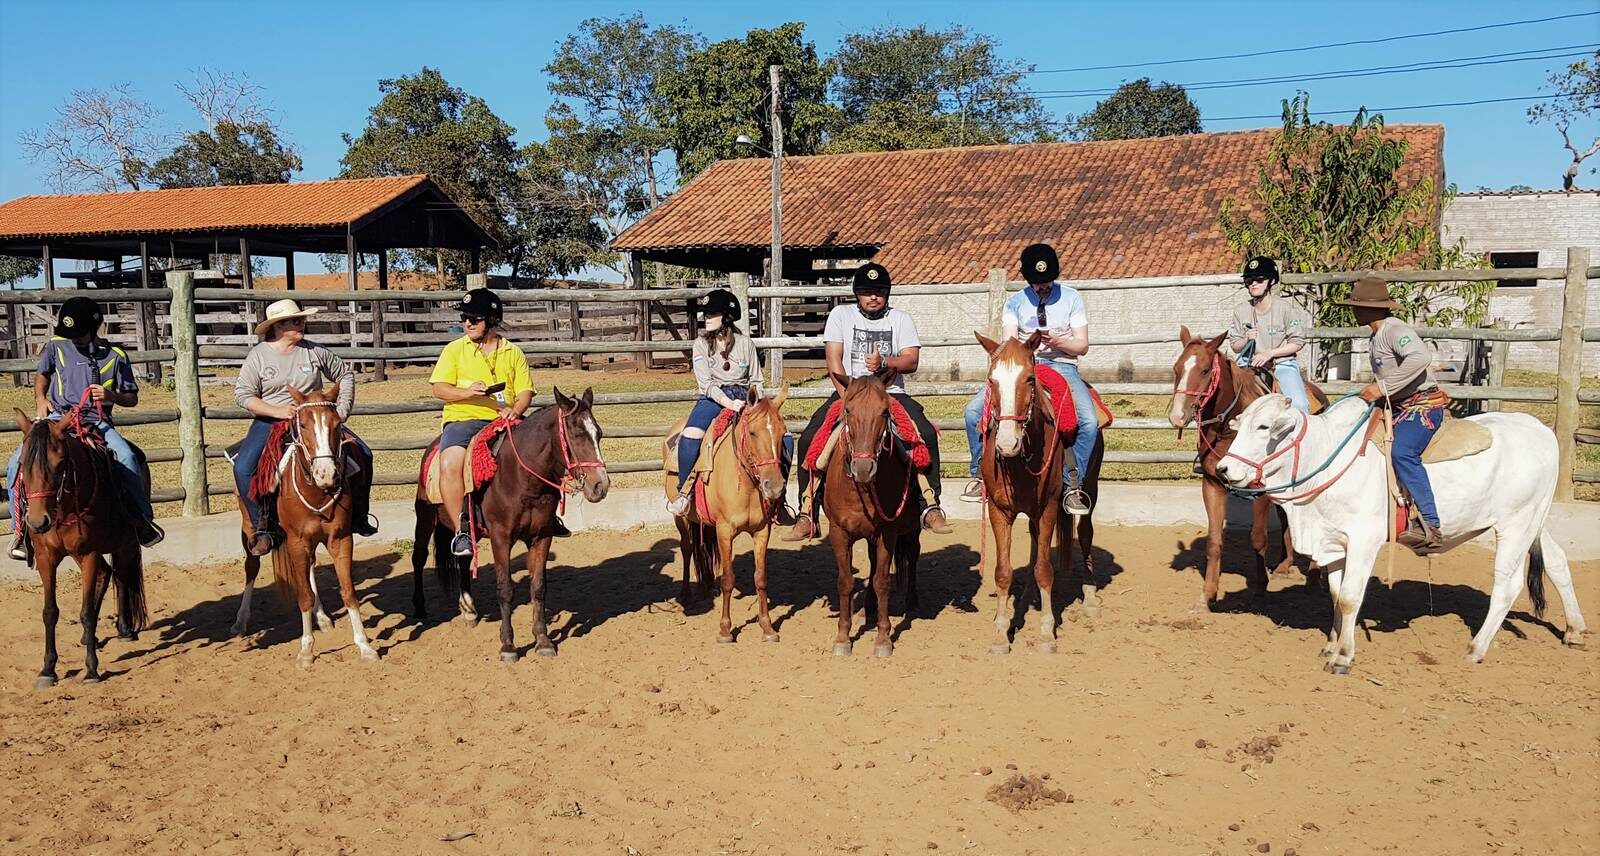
(1577, 97)
(1138, 109)
(102, 140)
(227, 154)
(558, 224)
(16, 268)
(1329, 198)
(423, 124)
(900, 88)
(607, 136)
(722, 91)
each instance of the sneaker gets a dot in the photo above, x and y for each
(462, 545)
(19, 547)
(558, 528)
(149, 533)
(973, 492)
(804, 529)
(1073, 500)
(933, 520)
(679, 506)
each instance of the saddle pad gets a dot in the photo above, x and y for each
(1060, 396)
(476, 471)
(719, 430)
(1456, 439)
(902, 425)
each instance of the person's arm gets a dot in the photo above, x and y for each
(443, 381)
(1010, 319)
(521, 384)
(123, 390)
(339, 372)
(905, 362)
(41, 395)
(1075, 341)
(1238, 336)
(700, 361)
(835, 354)
(247, 391)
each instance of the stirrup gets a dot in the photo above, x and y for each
(262, 543)
(462, 545)
(1082, 499)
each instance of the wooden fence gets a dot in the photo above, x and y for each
(192, 308)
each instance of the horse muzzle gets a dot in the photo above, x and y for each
(41, 526)
(596, 486)
(863, 470)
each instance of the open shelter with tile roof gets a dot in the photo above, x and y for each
(1123, 208)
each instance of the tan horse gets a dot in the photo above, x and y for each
(743, 492)
(313, 510)
(1023, 455)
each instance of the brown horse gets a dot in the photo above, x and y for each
(742, 494)
(868, 494)
(1023, 455)
(554, 451)
(1209, 390)
(74, 509)
(314, 509)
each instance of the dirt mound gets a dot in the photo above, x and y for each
(1019, 792)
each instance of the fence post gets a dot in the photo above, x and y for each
(997, 300)
(775, 330)
(186, 377)
(1574, 300)
(1498, 352)
(739, 284)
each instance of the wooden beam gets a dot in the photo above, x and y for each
(353, 261)
(477, 261)
(1569, 365)
(380, 368)
(149, 331)
(49, 267)
(288, 271)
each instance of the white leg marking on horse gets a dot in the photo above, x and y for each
(305, 657)
(323, 621)
(358, 634)
(241, 622)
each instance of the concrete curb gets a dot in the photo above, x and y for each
(216, 537)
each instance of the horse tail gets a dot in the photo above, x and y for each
(1536, 576)
(127, 568)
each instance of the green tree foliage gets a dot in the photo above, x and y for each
(559, 228)
(1138, 109)
(16, 268)
(227, 154)
(913, 88)
(1329, 198)
(1577, 97)
(722, 91)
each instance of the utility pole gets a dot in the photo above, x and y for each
(775, 304)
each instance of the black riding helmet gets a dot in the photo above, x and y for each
(481, 302)
(79, 315)
(1260, 267)
(871, 277)
(721, 302)
(1040, 264)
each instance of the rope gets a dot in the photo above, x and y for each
(1253, 492)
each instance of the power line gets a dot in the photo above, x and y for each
(1352, 110)
(1278, 51)
(1368, 71)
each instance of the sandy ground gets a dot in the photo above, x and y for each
(1161, 731)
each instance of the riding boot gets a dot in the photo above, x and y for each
(362, 522)
(149, 533)
(805, 526)
(1422, 537)
(558, 528)
(1073, 500)
(1200, 463)
(463, 543)
(933, 518)
(267, 536)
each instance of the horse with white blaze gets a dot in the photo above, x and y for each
(1338, 513)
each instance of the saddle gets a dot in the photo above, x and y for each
(1059, 394)
(479, 467)
(1455, 439)
(900, 425)
(717, 434)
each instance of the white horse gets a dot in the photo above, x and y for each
(1338, 516)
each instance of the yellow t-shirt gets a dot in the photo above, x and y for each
(462, 362)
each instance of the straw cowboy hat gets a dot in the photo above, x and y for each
(281, 310)
(1371, 292)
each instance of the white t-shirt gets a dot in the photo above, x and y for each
(892, 333)
(1063, 312)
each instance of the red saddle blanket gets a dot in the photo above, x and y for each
(904, 428)
(1060, 398)
(480, 455)
(265, 482)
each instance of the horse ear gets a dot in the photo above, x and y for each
(1233, 424)
(783, 395)
(1184, 337)
(988, 344)
(562, 401)
(588, 397)
(1032, 342)
(298, 396)
(24, 423)
(1216, 343)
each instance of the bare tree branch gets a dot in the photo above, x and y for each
(222, 96)
(100, 140)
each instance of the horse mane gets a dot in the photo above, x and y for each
(36, 452)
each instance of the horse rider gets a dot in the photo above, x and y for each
(1402, 370)
(864, 338)
(726, 367)
(1060, 314)
(480, 376)
(285, 358)
(1268, 331)
(74, 363)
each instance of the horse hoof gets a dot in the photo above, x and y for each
(769, 637)
(883, 650)
(128, 637)
(239, 631)
(999, 648)
(1575, 644)
(1338, 668)
(841, 649)
(508, 656)
(725, 638)
(370, 655)
(1047, 647)
(1091, 610)
(91, 679)
(545, 652)
(45, 682)
(304, 661)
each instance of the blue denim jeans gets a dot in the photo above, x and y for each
(1082, 405)
(250, 452)
(1411, 435)
(1292, 383)
(701, 416)
(121, 449)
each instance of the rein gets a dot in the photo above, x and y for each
(745, 465)
(869, 495)
(568, 483)
(73, 422)
(1295, 478)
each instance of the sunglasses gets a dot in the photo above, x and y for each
(473, 319)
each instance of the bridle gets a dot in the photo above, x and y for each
(304, 459)
(572, 478)
(72, 424)
(1024, 420)
(869, 494)
(746, 465)
(1256, 488)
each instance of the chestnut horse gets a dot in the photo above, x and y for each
(313, 508)
(74, 509)
(1023, 456)
(1209, 390)
(552, 452)
(742, 494)
(869, 494)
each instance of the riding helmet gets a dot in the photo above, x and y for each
(481, 301)
(871, 277)
(1040, 264)
(79, 315)
(721, 302)
(1260, 267)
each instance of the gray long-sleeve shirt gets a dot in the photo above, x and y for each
(268, 373)
(1402, 364)
(714, 371)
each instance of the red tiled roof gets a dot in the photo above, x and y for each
(297, 205)
(1123, 208)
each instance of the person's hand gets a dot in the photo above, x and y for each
(1371, 392)
(97, 393)
(735, 404)
(874, 359)
(285, 411)
(477, 387)
(1058, 340)
(1244, 361)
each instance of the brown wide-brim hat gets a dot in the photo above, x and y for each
(1371, 292)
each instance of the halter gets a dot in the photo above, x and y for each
(869, 495)
(745, 465)
(1256, 488)
(568, 483)
(72, 423)
(1024, 420)
(303, 459)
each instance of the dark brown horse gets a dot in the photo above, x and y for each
(742, 494)
(313, 509)
(554, 451)
(1209, 390)
(74, 509)
(1023, 455)
(869, 493)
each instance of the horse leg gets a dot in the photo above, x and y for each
(1358, 561)
(324, 622)
(704, 563)
(761, 537)
(1216, 502)
(293, 560)
(94, 584)
(883, 548)
(241, 622)
(1560, 573)
(1000, 522)
(45, 560)
(1085, 533)
(686, 543)
(1286, 566)
(1257, 584)
(501, 545)
(840, 541)
(1511, 549)
(457, 576)
(421, 534)
(343, 550)
(725, 535)
(538, 558)
(1044, 573)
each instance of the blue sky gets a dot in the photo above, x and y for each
(319, 62)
